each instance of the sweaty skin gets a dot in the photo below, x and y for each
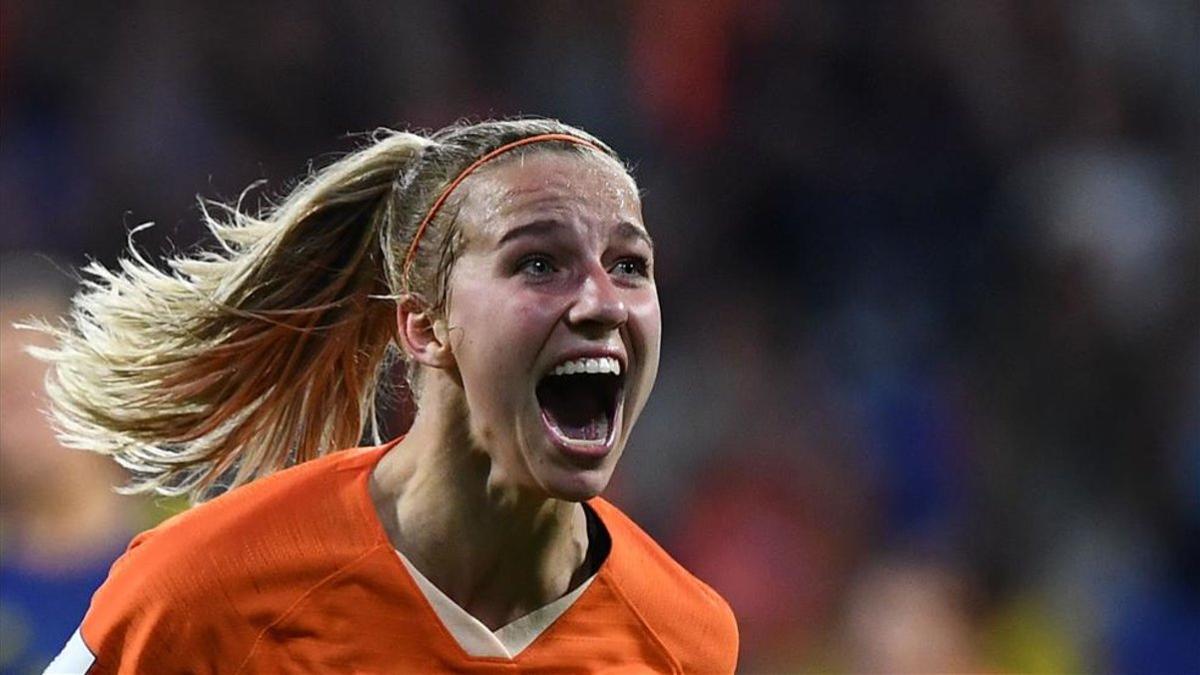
(555, 262)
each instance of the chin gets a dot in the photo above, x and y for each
(576, 485)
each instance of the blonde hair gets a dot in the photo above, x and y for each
(267, 351)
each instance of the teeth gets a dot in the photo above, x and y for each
(603, 364)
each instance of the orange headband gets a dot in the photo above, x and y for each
(437, 205)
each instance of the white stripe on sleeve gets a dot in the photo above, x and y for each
(75, 658)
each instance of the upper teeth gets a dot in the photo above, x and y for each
(604, 364)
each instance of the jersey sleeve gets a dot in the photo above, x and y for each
(691, 621)
(201, 591)
(718, 636)
(163, 609)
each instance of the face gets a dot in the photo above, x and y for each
(553, 319)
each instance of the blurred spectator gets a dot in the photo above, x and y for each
(61, 524)
(909, 617)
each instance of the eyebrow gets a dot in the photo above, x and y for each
(625, 230)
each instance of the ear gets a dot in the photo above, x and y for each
(423, 333)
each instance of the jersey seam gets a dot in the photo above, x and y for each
(620, 592)
(300, 600)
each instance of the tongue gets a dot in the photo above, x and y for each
(593, 430)
(576, 411)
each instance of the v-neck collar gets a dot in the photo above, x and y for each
(476, 639)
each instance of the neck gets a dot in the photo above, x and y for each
(499, 552)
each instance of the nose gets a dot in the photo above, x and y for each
(599, 306)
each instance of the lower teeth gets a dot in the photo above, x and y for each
(593, 431)
(597, 430)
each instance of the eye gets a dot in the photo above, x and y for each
(536, 266)
(632, 267)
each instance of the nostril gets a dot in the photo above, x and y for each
(606, 309)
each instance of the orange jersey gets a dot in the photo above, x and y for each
(294, 573)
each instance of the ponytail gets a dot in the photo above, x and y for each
(240, 361)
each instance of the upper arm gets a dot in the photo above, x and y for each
(161, 610)
(728, 638)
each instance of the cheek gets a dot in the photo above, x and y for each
(645, 319)
(646, 316)
(497, 333)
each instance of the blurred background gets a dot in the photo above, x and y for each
(930, 393)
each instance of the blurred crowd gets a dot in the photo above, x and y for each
(930, 392)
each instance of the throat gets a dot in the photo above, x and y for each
(499, 556)
(500, 579)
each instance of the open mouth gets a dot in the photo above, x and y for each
(580, 400)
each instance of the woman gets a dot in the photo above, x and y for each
(509, 262)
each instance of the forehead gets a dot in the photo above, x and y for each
(548, 184)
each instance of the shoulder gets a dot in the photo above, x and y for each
(692, 621)
(310, 501)
(305, 513)
(219, 573)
